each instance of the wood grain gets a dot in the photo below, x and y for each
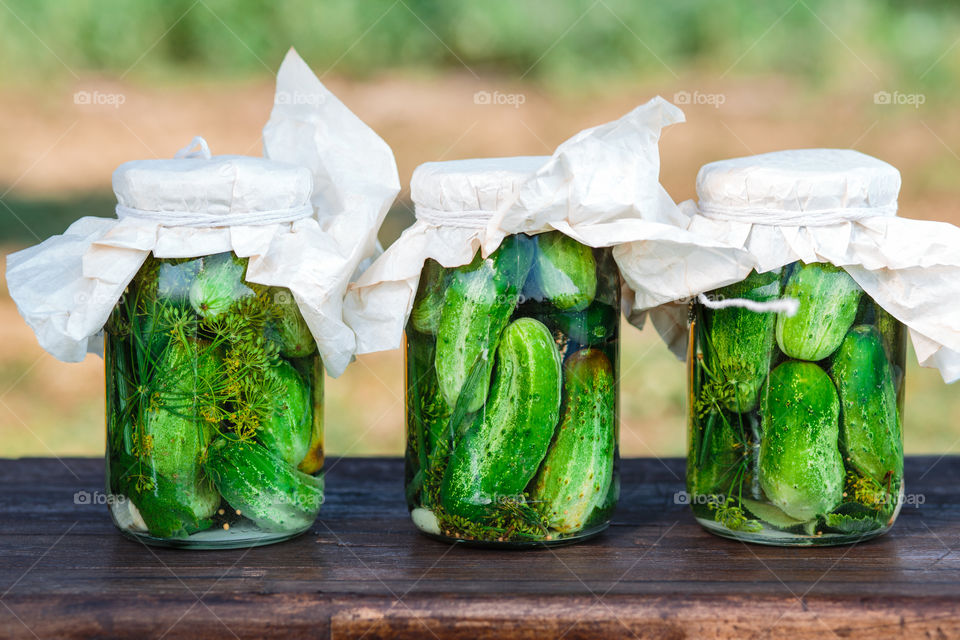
(364, 571)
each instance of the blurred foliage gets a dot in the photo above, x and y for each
(28, 220)
(551, 41)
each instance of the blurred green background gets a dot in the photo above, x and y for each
(88, 84)
(565, 43)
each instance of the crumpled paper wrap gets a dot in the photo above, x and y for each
(600, 187)
(66, 287)
(911, 268)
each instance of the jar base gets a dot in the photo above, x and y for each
(237, 537)
(518, 545)
(777, 538)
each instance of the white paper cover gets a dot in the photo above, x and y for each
(600, 187)
(823, 205)
(66, 286)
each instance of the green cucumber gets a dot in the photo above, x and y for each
(770, 514)
(429, 414)
(168, 508)
(800, 467)
(428, 304)
(828, 299)
(870, 433)
(264, 488)
(477, 305)
(719, 459)
(501, 450)
(313, 460)
(894, 340)
(565, 271)
(296, 339)
(427, 419)
(219, 283)
(178, 436)
(575, 476)
(287, 430)
(592, 326)
(740, 345)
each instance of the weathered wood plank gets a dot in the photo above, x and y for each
(362, 569)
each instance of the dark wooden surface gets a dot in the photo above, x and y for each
(363, 571)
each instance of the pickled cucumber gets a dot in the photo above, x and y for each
(477, 306)
(504, 446)
(262, 487)
(287, 432)
(870, 432)
(313, 460)
(742, 341)
(296, 339)
(719, 458)
(425, 316)
(575, 476)
(800, 467)
(219, 283)
(177, 438)
(828, 299)
(565, 271)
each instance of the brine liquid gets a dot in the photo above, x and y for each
(748, 471)
(513, 518)
(195, 355)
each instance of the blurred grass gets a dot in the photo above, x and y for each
(589, 42)
(25, 220)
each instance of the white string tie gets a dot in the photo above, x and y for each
(474, 219)
(196, 219)
(787, 306)
(801, 218)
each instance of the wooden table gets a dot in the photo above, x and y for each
(362, 571)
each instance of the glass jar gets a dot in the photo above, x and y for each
(795, 422)
(214, 408)
(512, 395)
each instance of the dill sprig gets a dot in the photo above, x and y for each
(223, 380)
(868, 492)
(729, 513)
(510, 518)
